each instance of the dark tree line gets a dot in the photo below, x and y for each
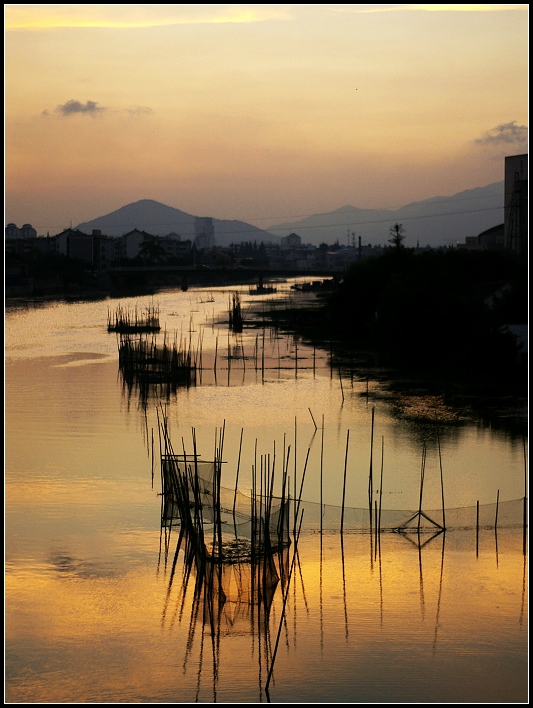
(434, 310)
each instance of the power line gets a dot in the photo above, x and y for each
(437, 200)
(349, 223)
(387, 221)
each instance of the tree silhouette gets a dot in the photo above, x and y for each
(397, 235)
(151, 252)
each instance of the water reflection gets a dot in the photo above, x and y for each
(237, 555)
(238, 580)
(364, 617)
(413, 599)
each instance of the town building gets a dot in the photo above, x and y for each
(516, 204)
(25, 231)
(204, 233)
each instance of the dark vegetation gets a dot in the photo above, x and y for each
(435, 313)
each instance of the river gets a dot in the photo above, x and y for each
(96, 610)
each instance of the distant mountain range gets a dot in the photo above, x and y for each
(438, 221)
(159, 220)
(433, 222)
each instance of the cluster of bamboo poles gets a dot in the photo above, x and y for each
(214, 534)
(143, 362)
(193, 495)
(236, 320)
(126, 321)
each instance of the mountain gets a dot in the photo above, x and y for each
(438, 221)
(159, 220)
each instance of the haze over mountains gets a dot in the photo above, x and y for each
(159, 220)
(438, 221)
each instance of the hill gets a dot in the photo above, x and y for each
(159, 220)
(437, 221)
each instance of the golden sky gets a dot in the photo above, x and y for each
(264, 113)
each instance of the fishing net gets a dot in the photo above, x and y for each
(280, 515)
(248, 524)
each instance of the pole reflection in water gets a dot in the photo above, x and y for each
(88, 619)
(238, 555)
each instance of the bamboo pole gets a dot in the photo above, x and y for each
(297, 501)
(295, 438)
(477, 528)
(441, 483)
(321, 472)
(422, 472)
(285, 596)
(496, 516)
(524, 524)
(344, 481)
(237, 475)
(263, 359)
(370, 472)
(381, 484)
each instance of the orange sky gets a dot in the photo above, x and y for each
(264, 113)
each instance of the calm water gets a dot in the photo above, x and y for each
(93, 611)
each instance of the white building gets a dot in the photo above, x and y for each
(204, 233)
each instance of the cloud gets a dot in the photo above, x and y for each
(71, 107)
(423, 8)
(46, 17)
(140, 111)
(505, 134)
(92, 108)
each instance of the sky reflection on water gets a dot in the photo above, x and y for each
(86, 585)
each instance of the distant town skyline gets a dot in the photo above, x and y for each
(262, 113)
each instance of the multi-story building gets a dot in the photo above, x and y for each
(174, 247)
(96, 250)
(516, 204)
(132, 242)
(290, 241)
(204, 233)
(25, 231)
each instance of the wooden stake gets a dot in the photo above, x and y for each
(477, 528)
(344, 481)
(321, 472)
(441, 483)
(237, 475)
(370, 473)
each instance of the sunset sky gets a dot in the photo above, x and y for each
(265, 113)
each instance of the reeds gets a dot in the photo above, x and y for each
(126, 321)
(235, 314)
(143, 362)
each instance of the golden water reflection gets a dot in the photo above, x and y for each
(90, 612)
(390, 627)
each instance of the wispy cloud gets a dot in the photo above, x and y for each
(92, 108)
(44, 17)
(424, 8)
(505, 134)
(140, 111)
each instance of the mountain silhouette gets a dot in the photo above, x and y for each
(159, 220)
(438, 221)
